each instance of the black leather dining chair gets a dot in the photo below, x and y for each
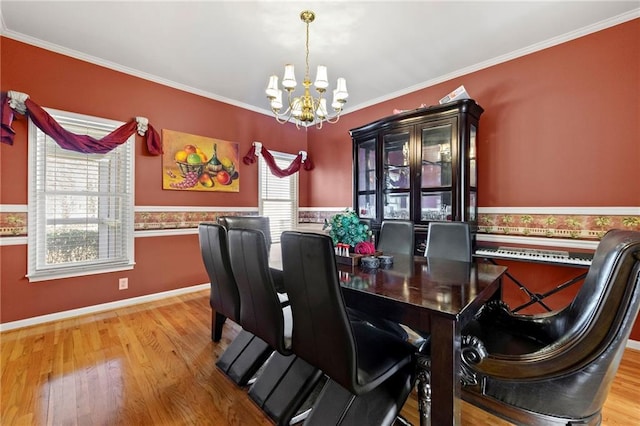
(261, 223)
(449, 240)
(286, 381)
(371, 371)
(556, 368)
(396, 236)
(246, 353)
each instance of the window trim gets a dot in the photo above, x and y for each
(285, 156)
(34, 272)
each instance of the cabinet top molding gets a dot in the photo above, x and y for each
(468, 106)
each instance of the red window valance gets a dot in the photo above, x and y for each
(19, 102)
(257, 150)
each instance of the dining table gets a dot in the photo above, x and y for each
(435, 298)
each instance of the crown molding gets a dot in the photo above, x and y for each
(633, 14)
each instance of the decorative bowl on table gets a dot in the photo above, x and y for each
(385, 260)
(369, 262)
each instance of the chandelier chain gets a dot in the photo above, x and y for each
(306, 73)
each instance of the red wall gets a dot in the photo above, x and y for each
(162, 263)
(560, 128)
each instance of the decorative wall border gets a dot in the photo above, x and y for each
(579, 223)
(553, 223)
(148, 220)
(317, 214)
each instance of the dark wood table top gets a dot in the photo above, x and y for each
(414, 286)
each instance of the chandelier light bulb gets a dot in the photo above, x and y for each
(289, 79)
(276, 101)
(272, 87)
(322, 82)
(296, 108)
(341, 93)
(322, 108)
(335, 104)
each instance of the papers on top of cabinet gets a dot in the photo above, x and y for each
(459, 93)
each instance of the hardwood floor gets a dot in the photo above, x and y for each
(154, 364)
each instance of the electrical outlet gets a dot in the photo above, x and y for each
(123, 283)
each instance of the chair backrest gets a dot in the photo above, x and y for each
(449, 240)
(606, 290)
(322, 333)
(248, 222)
(260, 310)
(396, 236)
(224, 297)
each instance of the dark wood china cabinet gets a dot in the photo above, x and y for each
(418, 165)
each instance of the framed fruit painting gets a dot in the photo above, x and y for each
(199, 163)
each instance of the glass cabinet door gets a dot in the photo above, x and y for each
(436, 155)
(473, 173)
(472, 208)
(397, 175)
(366, 176)
(395, 161)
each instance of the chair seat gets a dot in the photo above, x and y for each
(499, 340)
(381, 323)
(389, 356)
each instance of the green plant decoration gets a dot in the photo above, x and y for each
(346, 228)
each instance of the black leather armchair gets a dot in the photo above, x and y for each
(371, 371)
(556, 368)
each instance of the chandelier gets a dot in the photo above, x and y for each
(306, 109)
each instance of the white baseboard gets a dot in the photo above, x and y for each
(99, 308)
(633, 344)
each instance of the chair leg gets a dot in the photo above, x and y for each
(283, 386)
(380, 406)
(243, 357)
(217, 321)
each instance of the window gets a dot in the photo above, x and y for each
(80, 215)
(279, 196)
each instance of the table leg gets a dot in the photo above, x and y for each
(445, 371)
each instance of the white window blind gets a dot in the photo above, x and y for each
(279, 196)
(80, 216)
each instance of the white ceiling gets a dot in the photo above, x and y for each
(226, 50)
